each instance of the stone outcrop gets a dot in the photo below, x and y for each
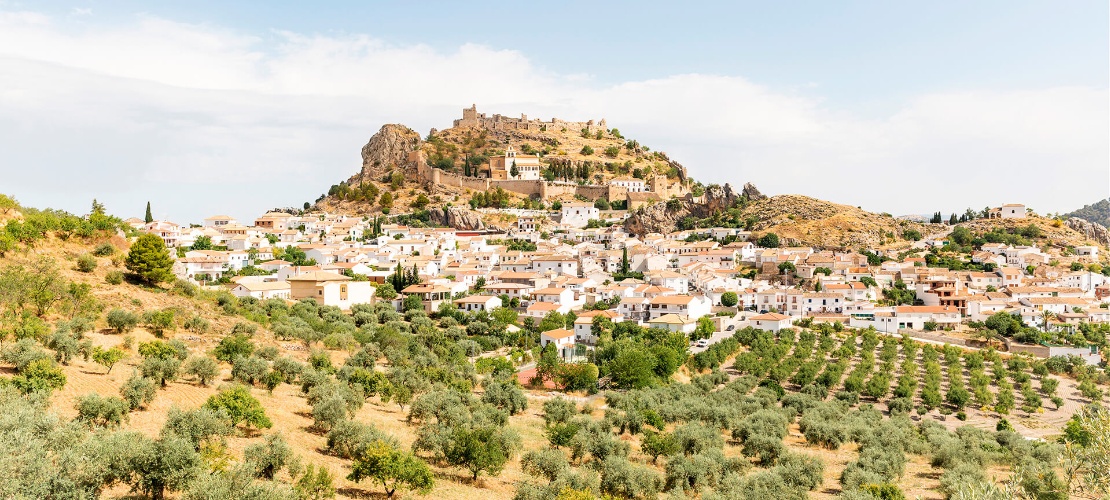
(663, 217)
(456, 217)
(387, 150)
(1092, 230)
(752, 193)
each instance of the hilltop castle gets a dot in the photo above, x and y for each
(472, 118)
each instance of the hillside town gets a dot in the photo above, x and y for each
(699, 282)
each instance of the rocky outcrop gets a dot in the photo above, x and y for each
(717, 198)
(456, 217)
(663, 217)
(387, 150)
(1092, 230)
(752, 193)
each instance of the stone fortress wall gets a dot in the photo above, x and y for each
(472, 118)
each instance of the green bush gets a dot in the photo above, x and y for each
(114, 277)
(121, 321)
(86, 263)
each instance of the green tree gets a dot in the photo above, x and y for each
(386, 202)
(233, 346)
(203, 368)
(393, 468)
(315, 484)
(729, 299)
(168, 463)
(268, 457)
(240, 407)
(149, 217)
(107, 357)
(40, 376)
(98, 411)
(138, 391)
(514, 171)
(121, 321)
(655, 444)
(203, 242)
(150, 260)
(769, 240)
(482, 449)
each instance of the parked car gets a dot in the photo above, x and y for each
(730, 328)
(702, 343)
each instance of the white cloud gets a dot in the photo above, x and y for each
(202, 118)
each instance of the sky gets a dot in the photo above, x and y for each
(214, 107)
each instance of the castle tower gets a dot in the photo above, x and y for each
(469, 118)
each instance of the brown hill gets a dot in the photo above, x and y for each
(796, 219)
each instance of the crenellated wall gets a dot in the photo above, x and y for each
(472, 118)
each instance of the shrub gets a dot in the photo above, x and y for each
(232, 347)
(558, 410)
(40, 376)
(506, 396)
(137, 391)
(98, 411)
(121, 321)
(240, 406)
(104, 250)
(196, 324)
(114, 277)
(86, 263)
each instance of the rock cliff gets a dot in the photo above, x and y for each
(663, 217)
(1092, 230)
(456, 217)
(387, 150)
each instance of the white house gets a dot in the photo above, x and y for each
(558, 263)
(674, 323)
(632, 184)
(262, 290)
(577, 214)
(563, 340)
(771, 322)
(1013, 211)
(331, 289)
(217, 221)
(478, 303)
(691, 306)
(553, 295)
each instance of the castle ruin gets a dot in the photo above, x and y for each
(472, 118)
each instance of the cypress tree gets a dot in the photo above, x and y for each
(149, 218)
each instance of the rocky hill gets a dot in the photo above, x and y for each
(798, 220)
(387, 151)
(582, 153)
(1098, 212)
(1071, 232)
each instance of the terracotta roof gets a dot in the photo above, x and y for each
(558, 334)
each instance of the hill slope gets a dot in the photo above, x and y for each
(1098, 212)
(798, 220)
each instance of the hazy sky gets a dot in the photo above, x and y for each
(211, 107)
